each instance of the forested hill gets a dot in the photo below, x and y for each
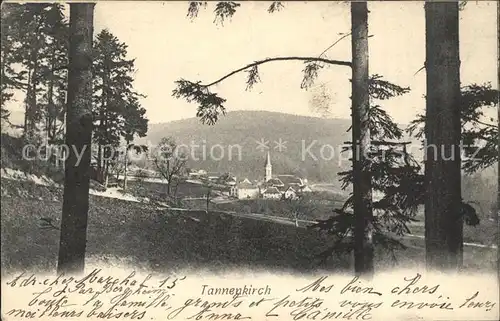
(245, 128)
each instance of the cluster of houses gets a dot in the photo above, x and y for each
(271, 187)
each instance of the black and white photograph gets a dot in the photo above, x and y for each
(219, 160)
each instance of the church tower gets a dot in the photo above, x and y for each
(269, 168)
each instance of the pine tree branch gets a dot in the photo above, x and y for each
(260, 62)
(485, 124)
(55, 69)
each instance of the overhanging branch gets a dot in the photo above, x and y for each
(260, 62)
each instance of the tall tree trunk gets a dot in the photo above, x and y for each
(27, 105)
(362, 191)
(443, 219)
(78, 136)
(50, 116)
(101, 137)
(32, 116)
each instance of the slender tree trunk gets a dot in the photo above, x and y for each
(27, 105)
(363, 245)
(100, 164)
(78, 136)
(63, 152)
(208, 198)
(106, 179)
(106, 151)
(125, 174)
(51, 117)
(443, 219)
(32, 119)
(54, 130)
(169, 177)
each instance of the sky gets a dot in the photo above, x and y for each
(168, 46)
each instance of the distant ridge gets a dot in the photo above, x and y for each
(245, 128)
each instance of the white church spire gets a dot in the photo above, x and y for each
(269, 168)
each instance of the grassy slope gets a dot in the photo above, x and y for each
(161, 240)
(12, 157)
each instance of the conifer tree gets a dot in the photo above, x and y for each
(211, 106)
(117, 111)
(10, 79)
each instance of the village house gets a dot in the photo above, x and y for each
(197, 174)
(272, 193)
(290, 193)
(246, 189)
(213, 176)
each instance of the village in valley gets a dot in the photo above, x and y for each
(280, 186)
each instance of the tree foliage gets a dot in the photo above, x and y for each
(118, 113)
(35, 45)
(479, 132)
(9, 41)
(225, 10)
(395, 175)
(34, 59)
(170, 163)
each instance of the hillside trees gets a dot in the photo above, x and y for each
(34, 49)
(10, 79)
(54, 79)
(46, 62)
(51, 62)
(35, 60)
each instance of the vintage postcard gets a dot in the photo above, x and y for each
(253, 160)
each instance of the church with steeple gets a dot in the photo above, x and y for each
(269, 168)
(272, 187)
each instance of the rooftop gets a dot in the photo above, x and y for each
(290, 180)
(272, 190)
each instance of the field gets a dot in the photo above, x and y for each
(162, 240)
(158, 191)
